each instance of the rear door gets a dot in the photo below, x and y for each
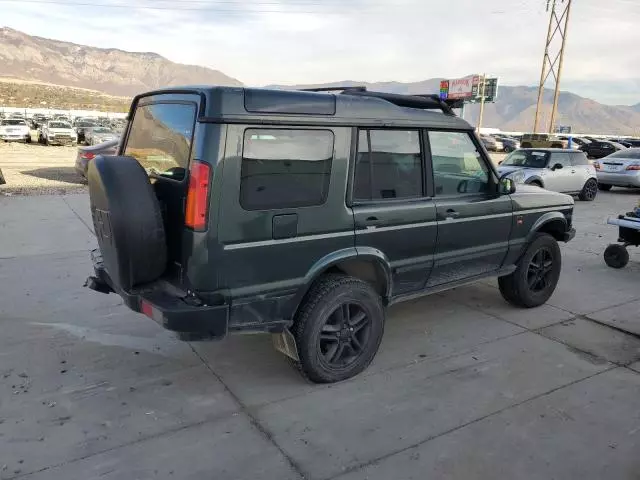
(160, 137)
(560, 179)
(474, 222)
(393, 209)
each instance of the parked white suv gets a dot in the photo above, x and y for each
(56, 132)
(15, 130)
(566, 171)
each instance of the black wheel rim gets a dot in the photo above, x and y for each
(540, 270)
(591, 189)
(344, 335)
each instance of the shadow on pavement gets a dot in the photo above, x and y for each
(58, 174)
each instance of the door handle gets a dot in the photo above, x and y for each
(451, 214)
(371, 222)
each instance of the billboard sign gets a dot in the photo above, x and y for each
(464, 88)
(490, 90)
(444, 89)
(563, 129)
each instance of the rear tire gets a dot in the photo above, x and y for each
(616, 256)
(605, 187)
(338, 328)
(589, 190)
(536, 275)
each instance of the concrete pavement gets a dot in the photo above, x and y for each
(464, 386)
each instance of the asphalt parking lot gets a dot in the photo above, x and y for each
(464, 386)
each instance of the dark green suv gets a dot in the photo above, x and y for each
(304, 214)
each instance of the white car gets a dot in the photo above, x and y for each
(620, 169)
(56, 132)
(15, 130)
(559, 170)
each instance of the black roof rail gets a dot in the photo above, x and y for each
(423, 102)
(357, 88)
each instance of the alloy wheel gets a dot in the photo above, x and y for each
(344, 335)
(540, 270)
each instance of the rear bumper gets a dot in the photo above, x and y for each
(620, 179)
(163, 304)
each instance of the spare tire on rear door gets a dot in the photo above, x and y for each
(127, 221)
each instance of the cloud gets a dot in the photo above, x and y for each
(312, 41)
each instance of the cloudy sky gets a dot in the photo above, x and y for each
(262, 42)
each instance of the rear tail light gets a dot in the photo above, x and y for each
(87, 155)
(633, 167)
(198, 196)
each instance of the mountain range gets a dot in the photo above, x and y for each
(38, 60)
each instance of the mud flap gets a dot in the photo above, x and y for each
(285, 343)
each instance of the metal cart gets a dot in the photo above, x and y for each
(616, 254)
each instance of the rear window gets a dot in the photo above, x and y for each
(13, 122)
(285, 168)
(160, 138)
(628, 153)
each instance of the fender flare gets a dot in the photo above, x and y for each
(534, 178)
(546, 219)
(334, 258)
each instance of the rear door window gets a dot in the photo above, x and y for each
(388, 165)
(160, 138)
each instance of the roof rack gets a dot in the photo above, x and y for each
(422, 102)
(354, 88)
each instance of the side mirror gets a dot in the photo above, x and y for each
(507, 186)
(557, 166)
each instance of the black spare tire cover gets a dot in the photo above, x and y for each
(127, 220)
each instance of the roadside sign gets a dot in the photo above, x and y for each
(444, 89)
(490, 90)
(563, 129)
(463, 88)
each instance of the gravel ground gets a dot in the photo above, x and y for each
(39, 170)
(33, 169)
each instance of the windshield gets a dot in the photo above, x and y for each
(59, 125)
(627, 153)
(13, 122)
(618, 145)
(85, 124)
(101, 130)
(527, 158)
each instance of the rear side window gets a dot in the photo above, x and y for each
(578, 158)
(160, 138)
(285, 168)
(388, 165)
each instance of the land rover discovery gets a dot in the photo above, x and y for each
(304, 214)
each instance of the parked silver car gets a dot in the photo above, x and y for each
(560, 170)
(620, 169)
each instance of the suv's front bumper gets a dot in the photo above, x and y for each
(569, 235)
(160, 302)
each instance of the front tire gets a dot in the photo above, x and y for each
(338, 328)
(536, 275)
(616, 256)
(589, 190)
(605, 187)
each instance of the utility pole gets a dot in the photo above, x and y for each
(558, 25)
(483, 86)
